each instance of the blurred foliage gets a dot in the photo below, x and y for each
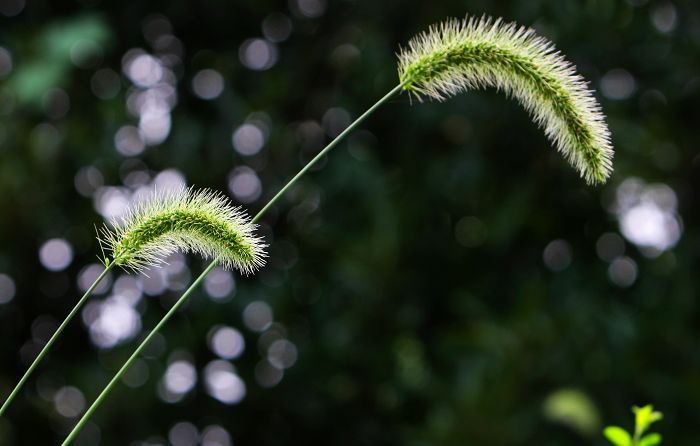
(643, 419)
(445, 276)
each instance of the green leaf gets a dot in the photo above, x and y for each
(650, 440)
(617, 436)
(644, 417)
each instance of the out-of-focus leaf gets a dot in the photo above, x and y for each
(617, 436)
(573, 408)
(54, 50)
(650, 440)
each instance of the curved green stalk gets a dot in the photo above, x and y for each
(53, 338)
(86, 416)
(93, 407)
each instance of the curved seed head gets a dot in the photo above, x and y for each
(481, 52)
(185, 220)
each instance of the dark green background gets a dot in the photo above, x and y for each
(406, 334)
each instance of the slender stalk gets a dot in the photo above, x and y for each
(86, 416)
(637, 434)
(55, 336)
(328, 148)
(137, 352)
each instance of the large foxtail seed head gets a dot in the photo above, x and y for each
(480, 52)
(185, 220)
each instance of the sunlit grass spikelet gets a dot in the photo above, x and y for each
(481, 52)
(203, 222)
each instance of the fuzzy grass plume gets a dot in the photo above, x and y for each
(201, 221)
(447, 59)
(481, 52)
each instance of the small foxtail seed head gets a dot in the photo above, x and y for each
(457, 55)
(203, 222)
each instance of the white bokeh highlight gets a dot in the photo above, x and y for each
(226, 342)
(222, 382)
(647, 215)
(56, 254)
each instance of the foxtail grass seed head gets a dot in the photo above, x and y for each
(203, 222)
(457, 55)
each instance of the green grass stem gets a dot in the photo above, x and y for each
(181, 301)
(53, 339)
